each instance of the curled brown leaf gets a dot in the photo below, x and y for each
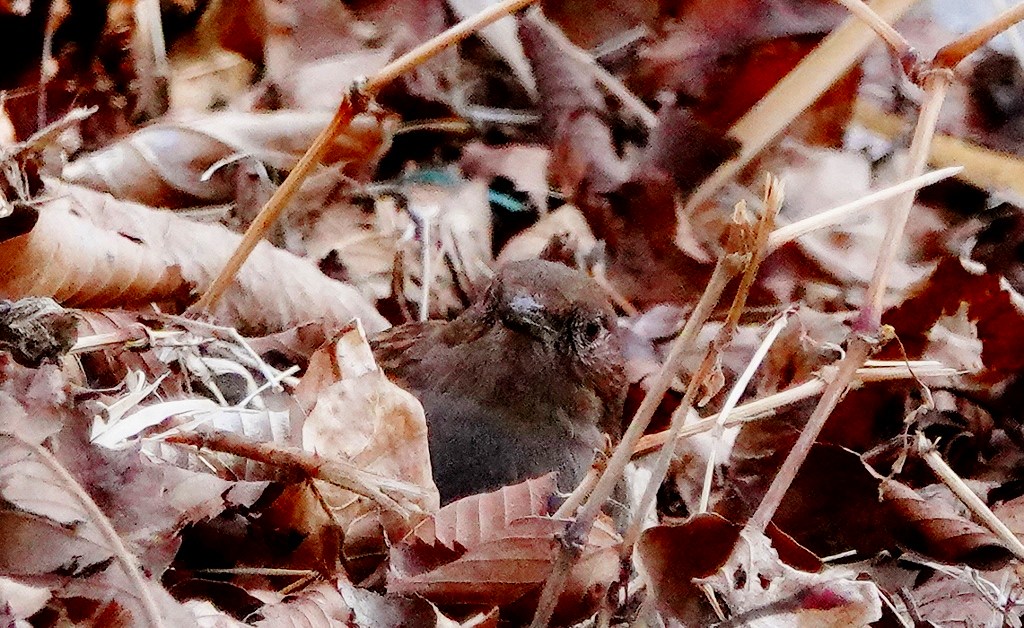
(932, 529)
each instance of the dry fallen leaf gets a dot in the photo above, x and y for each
(203, 106)
(932, 529)
(672, 556)
(763, 592)
(79, 263)
(355, 413)
(275, 290)
(496, 548)
(320, 606)
(992, 307)
(76, 553)
(181, 164)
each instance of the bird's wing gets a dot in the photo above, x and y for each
(395, 348)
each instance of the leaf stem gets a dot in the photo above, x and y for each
(126, 560)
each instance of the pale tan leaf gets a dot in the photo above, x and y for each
(320, 606)
(273, 291)
(465, 232)
(78, 263)
(774, 595)
(345, 239)
(817, 179)
(20, 601)
(526, 165)
(259, 425)
(153, 423)
(565, 221)
(318, 85)
(184, 163)
(453, 251)
(361, 416)
(207, 615)
(373, 609)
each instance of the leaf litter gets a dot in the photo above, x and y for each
(258, 468)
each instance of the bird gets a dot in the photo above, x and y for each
(527, 380)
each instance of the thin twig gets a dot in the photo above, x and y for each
(339, 473)
(347, 109)
(274, 207)
(569, 551)
(767, 406)
(970, 499)
(734, 397)
(125, 336)
(428, 273)
(773, 197)
(665, 456)
(755, 251)
(835, 215)
(795, 92)
(868, 325)
(936, 85)
(859, 350)
(889, 35)
(258, 571)
(983, 168)
(1012, 33)
(724, 271)
(950, 55)
(415, 57)
(578, 495)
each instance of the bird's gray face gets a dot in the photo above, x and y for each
(578, 330)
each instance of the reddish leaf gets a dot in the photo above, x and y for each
(996, 309)
(792, 553)
(689, 56)
(672, 556)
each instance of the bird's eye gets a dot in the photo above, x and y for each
(591, 330)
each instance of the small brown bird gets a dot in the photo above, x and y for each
(522, 383)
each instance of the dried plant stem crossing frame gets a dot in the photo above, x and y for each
(935, 77)
(868, 333)
(350, 105)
